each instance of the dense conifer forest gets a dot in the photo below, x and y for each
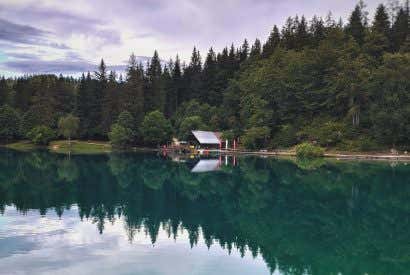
(341, 85)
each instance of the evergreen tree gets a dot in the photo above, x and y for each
(244, 51)
(176, 89)
(4, 91)
(317, 30)
(256, 50)
(273, 42)
(356, 27)
(381, 21)
(154, 96)
(132, 95)
(301, 36)
(110, 103)
(288, 34)
(210, 91)
(400, 29)
(192, 76)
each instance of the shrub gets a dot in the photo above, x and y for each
(41, 135)
(68, 126)
(256, 137)
(156, 129)
(307, 150)
(119, 136)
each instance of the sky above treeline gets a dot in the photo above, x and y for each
(69, 37)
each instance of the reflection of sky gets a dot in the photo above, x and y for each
(31, 244)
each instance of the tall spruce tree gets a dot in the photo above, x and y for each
(400, 29)
(256, 49)
(192, 76)
(154, 96)
(244, 51)
(110, 104)
(210, 91)
(132, 96)
(356, 26)
(4, 91)
(272, 42)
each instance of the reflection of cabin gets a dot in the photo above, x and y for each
(206, 165)
(205, 139)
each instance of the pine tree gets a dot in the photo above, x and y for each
(356, 27)
(400, 29)
(272, 42)
(132, 96)
(301, 36)
(377, 40)
(381, 21)
(256, 50)
(233, 61)
(176, 92)
(4, 91)
(288, 34)
(192, 76)
(244, 51)
(317, 29)
(210, 92)
(154, 96)
(110, 103)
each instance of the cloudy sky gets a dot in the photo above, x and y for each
(71, 36)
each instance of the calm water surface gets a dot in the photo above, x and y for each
(145, 214)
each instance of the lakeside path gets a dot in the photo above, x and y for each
(347, 156)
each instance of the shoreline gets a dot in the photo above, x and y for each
(334, 155)
(105, 147)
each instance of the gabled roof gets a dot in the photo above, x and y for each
(205, 137)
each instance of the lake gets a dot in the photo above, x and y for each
(148, 214)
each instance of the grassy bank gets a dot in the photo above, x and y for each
(63, 147)
(79, 147)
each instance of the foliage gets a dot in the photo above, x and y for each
(286, 137)
(10, 122)
(325, 133)
(156, 129)
(308, 150)
(41, 135)
(68, 126)
(188, 124)
(119, 135)
(255, 137)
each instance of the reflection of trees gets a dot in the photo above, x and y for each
(346, 217)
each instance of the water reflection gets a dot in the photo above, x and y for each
(301, 218)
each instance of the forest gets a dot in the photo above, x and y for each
(340, 85)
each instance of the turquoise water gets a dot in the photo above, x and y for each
(148, 214)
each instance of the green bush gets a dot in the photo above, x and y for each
(156, 129)
(308, 150)
(119, 136)
(41, 135)
(256, 137)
